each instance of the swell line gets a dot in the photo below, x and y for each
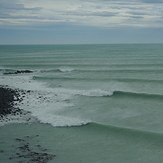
(125, 130)
(110, 79)
(137, 94)
(108, 70)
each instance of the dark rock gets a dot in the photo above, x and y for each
(18, 72)
(6, 100)
(17, 139)
(8, 97)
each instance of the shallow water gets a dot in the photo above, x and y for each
(90, 143)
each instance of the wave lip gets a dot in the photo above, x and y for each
(61, 121)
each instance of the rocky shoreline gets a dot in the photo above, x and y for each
(8, 96)
(8, 99)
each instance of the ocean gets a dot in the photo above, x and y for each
(87, 103)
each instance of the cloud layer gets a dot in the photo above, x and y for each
(97, 13)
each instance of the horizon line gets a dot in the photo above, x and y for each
(79, 44)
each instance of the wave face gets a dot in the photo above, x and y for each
(73, 85)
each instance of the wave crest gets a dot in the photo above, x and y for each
(95, 93)
(65, 69)
(137, 94)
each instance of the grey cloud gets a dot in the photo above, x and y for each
(152, 1)
(8, 10)
(11, 6)
(101, 14)
(8, 16)
(136, 17)
(124, 1)
(15, 7)
(136, 13)
(104, 14)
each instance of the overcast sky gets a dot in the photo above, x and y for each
(81, 21)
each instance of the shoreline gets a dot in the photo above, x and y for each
(25, 150)
(8, 97)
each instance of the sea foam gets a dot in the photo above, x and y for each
(41, 103)
(65, 69)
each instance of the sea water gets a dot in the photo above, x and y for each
(87, 103)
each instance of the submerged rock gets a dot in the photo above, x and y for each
(31, 153)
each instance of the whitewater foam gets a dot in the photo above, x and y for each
(24, 117)
(41, 103)
(94, 93)
(65, 69)
(46, 104)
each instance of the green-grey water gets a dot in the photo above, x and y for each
(89, 103)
